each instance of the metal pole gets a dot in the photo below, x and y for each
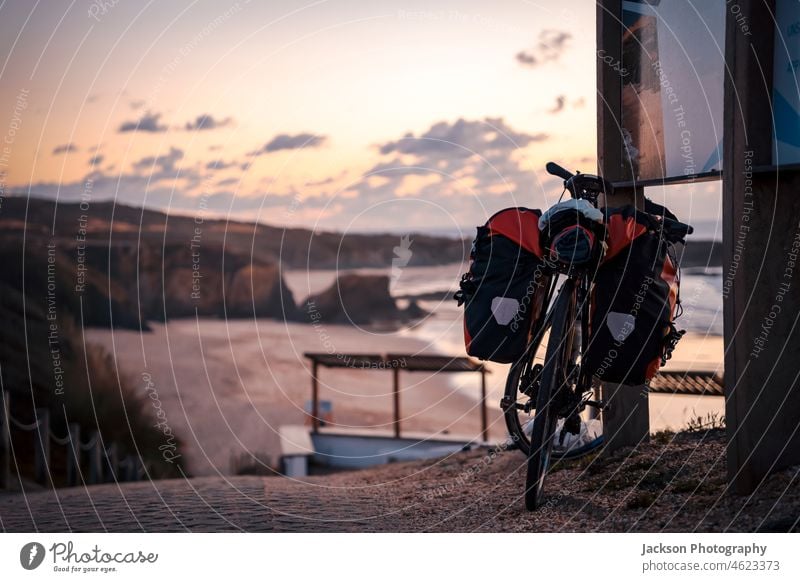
(5, 441)
(396, 399)
(484, 419)
(314, 397)
(73, 454)
(42, 446)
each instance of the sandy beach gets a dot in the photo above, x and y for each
(227, 387)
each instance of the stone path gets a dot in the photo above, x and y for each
(201, 504)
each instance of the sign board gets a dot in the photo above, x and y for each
(672, 88)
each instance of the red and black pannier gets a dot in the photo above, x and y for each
(500, 290)
(635, 299)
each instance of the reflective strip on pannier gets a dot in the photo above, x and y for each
(500, 289)
(634, 301)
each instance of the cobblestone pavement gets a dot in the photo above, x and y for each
(673, 483)
(201, 504)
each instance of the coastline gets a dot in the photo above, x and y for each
(227, 387)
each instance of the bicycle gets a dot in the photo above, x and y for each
(557, 387)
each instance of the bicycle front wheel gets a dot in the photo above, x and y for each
(553, 379)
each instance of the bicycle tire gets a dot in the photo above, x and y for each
(515, 427)
(516, 431)
(544, 421)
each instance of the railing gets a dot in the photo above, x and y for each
(104, 463)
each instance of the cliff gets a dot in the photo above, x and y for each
(292, 248)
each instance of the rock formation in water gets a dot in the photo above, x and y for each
(359, 300)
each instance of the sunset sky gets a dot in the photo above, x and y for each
(345, 115)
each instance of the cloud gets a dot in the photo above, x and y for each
(148, 123)
(64, 149)
(462, 139)
(550, 46)
(561, 101)
(157, 180)
(137, 104)
(220, 165)
(323, 182)
(453, 171)
(96, 160)
(165, 163)
(524, 58)
(206, 121)
(284, 141)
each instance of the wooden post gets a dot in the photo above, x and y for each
(396, 400)
(73, 454)
(484, 419)
(96, 459)
(761, 211)
(42, 446)
(314, 397)
(626, 417)
(5, 441)
(629, 422)
(609, 91)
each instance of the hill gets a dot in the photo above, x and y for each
(293, 248)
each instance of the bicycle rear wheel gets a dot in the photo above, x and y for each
(553, 379)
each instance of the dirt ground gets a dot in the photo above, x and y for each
(673, 483)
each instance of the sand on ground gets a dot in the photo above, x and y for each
(227, 387)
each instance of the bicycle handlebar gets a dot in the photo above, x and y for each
(556, 170)
(589, 186)
(586, 186)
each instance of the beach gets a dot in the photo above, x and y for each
(227, 387)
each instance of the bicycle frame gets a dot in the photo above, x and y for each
(527, 375)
